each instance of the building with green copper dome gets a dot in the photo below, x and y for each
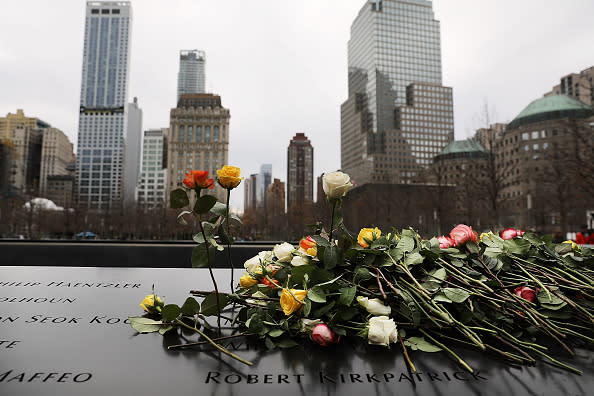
(545, 160)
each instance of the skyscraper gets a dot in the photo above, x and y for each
(398, 115)
(133, 144)
(190, 78)
(153, 178)
(103, 104)
(299, 171)
(264, 180)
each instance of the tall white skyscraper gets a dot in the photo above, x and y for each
(398, 115)
(152, 183)
(190, 78)
(103, 104)
(132, 144)
(264, 179)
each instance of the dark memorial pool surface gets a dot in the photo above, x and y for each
(63, 331)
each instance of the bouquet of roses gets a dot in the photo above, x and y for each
(496, 293)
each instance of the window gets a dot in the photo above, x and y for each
(181, 134)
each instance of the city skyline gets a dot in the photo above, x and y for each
(294, 78)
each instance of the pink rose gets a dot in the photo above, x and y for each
(323, 335)
(462, 234)
(526, 293)
(511, 233)
(445, 242)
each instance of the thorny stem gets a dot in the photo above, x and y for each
(214, 344)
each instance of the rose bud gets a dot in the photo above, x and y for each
(526, 293)
(445, 242)
(511, 233)
(323, 335)
(462, 234)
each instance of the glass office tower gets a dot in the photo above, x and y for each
(103, 107)
(398, 115)
(190, 78)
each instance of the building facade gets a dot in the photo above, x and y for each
(299, 171)
(57, 158)
(103, 104)
(249, 192)
(132, 152)
(8, 123)
(152, 183)
(191, 77)
(398, 115)
(26, 160)
(264, 180)
(546, 158)
(198, 139)
(577, 85)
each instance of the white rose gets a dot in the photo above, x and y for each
(336, 184)
(298, 260)
(374, 306)
(382, 331)
(254, 265)
(284, 252)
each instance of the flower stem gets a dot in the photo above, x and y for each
(448, 350)
(214, 282)
(214, 344)
(229, 238)
(406, 357)
(332, 220)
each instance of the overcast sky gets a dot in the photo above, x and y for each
(280, 66)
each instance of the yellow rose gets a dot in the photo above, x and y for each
(228, 177)
(574, 246)
(312, 251)
(368, 234)
(246, 281)
(148, 304)
(292, 301)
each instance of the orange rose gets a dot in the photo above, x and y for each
(309, 245)
(196, 178)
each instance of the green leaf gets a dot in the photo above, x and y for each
(307, 308)
(316, 294)
(209, 305)
(323, 310)
(362, 273)
(347, 294)
(321, 241)
(455, 294)
(286, 343)
(337, 219)
(440, 297)
(178, 198)
(472, 247)
(439, 273)
(413, 259)
(190, 307)
(431, 286)
(275, 333)
(170, 312)
(165, 329)
(204, 204)
(421, 344)
(180, 217)
(225, 239)
(144, 325)
(543, 298)
(298, 274)
(219, 208)
(396, 254)
(406, 244)
(516, 246)
(199, 256)
(331, 257)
